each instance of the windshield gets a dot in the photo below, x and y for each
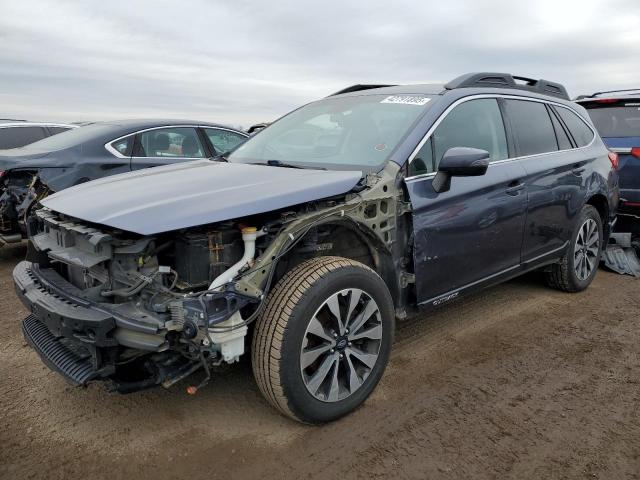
(70, 138)
(616, 120)
(342, 133)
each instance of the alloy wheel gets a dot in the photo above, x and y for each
(586, 249)
(341, 345)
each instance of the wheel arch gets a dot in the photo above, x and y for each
(351, 240)
(601, 204)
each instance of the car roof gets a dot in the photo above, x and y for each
(152, 123)
(475, 82)
(421, 88)
(440, 91)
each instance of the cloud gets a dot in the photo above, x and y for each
(245, 62)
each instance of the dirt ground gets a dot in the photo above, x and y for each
(517, 382)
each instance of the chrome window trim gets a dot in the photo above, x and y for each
(497, 162)
(33, 124)
(117, 154)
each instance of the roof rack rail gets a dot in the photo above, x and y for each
(597, 94)
(506, 80)
(359, 87)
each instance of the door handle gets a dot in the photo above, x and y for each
(578, 171)
(514, 188)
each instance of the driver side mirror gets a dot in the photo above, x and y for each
(460, 162)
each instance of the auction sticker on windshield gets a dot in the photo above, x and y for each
(406, 99)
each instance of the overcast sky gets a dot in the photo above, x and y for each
(240, 62)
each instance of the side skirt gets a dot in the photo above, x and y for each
(495, 279)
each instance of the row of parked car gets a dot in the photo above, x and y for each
(304, 243)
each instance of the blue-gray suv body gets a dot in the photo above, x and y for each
(307, 242)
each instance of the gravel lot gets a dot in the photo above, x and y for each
(517, 382)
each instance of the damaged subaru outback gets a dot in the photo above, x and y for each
(306, 243)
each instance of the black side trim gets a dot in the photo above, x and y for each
(55, 355)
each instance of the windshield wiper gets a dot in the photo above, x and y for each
(278, 163)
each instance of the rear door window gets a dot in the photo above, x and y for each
(15, 137)
(620, 119)
(532, 128)
(580, 132)
(177, 142)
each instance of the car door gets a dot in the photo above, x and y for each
(555, 173)
(473, 231)
(166, 145)
(223, 140)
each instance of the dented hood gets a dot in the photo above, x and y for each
(195, 193)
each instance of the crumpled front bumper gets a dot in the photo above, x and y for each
(74, 337)
(60, 312)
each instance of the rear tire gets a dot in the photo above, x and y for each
(577, 268)
(323, 340)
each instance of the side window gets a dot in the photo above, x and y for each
(532, 127)
(223, 140)
(580, 132)
(15, 137)
(179, 142)
(423, 161)
(123, 146)
(561, 135)
(475, 124)
(56, 130)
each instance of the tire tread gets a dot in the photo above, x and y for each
(271, 326)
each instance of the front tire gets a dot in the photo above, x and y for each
(577, 268)
(323, 340)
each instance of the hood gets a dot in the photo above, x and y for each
(195, 193)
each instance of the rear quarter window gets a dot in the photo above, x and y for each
(578, 128)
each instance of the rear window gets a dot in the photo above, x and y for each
(56, 130)
(15, 137)
(616, 120)
(579, 130)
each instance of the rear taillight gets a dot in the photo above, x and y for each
(1, 173)
(607, 100)
(613, 158)
(635, 151)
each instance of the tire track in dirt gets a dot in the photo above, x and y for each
(517, 381)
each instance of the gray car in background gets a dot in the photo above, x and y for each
(97, 150)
